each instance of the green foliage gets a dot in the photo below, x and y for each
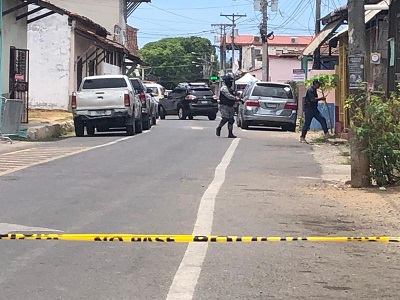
(328, 82)
(295, 87)
(377, 124)
(171, 59)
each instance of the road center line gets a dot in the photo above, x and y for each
(185, 280)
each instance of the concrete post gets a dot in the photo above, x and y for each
(1, 55)
(72, 65)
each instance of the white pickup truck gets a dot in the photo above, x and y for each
(106, 102)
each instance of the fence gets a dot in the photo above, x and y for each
(10, 118)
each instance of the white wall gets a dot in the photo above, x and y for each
(14, 34)
(103, 12)
(272, 50)
(49, 44)
(280, 69)
(108, 69)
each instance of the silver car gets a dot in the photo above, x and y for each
(268, 104)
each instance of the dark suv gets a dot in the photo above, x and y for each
(189, 100)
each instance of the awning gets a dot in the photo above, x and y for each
(43, 8)
(369, 16)
(322, 37)
(246, 79)
(107, 44)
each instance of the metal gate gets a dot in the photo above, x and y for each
(19, 78)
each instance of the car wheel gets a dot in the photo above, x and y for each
(90, 129)
(138, 126)
(161, 112)
(212, 117)
(79, 129)
(181, 113)
(291, 128)
(130, 130)
(146, 123)
(245, 124)
(238, 121)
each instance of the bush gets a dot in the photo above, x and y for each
(377, 124)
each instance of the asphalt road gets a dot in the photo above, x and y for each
(179, 179)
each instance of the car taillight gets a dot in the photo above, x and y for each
(190, 97)
(73, 102)
(291, 105)
(143, 97)
(127, 100)
(253, 103)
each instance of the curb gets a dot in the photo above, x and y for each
(49, 131)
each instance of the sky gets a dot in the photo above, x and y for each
(171, 18)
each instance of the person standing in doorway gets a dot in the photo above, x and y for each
(311, 111)
(227, 101)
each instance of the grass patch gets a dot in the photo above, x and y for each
(347, 162)
(320, 140)
(346, 153)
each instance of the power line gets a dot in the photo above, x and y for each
(233, 18)
(175, 14)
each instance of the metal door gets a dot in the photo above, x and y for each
(19, 78)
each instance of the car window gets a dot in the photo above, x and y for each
(104, 83)
(247, 90)
(201, 92)
(176, 93)
(272, 90)
(136, 85)
(153, 90)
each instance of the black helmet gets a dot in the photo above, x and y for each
(228, 79)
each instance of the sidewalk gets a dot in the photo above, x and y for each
(382, 205)
(44, 125)
(333, 157)
(47, 124)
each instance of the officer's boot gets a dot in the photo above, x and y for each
(231, 135)
(221, 124)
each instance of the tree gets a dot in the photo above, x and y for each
(171, 59)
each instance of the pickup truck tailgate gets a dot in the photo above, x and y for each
(100, 99)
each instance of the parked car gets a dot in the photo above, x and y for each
(153, 105)
(268, 104)
(156, 89)
(189, 100)
(106, 102)
(146, 102)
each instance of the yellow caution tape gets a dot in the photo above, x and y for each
(89, 237)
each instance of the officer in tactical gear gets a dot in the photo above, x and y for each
(227, 101)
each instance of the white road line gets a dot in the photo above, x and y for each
(6, 228)
(58, 155)
(185, 280)
(117, 141)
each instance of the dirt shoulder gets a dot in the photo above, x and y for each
(49, 116)
(383, 206)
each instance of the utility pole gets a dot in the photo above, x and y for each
(222, 48)
(233, 18)
(264, 33)
(317, 52)
(357, 54)
(1, 48)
